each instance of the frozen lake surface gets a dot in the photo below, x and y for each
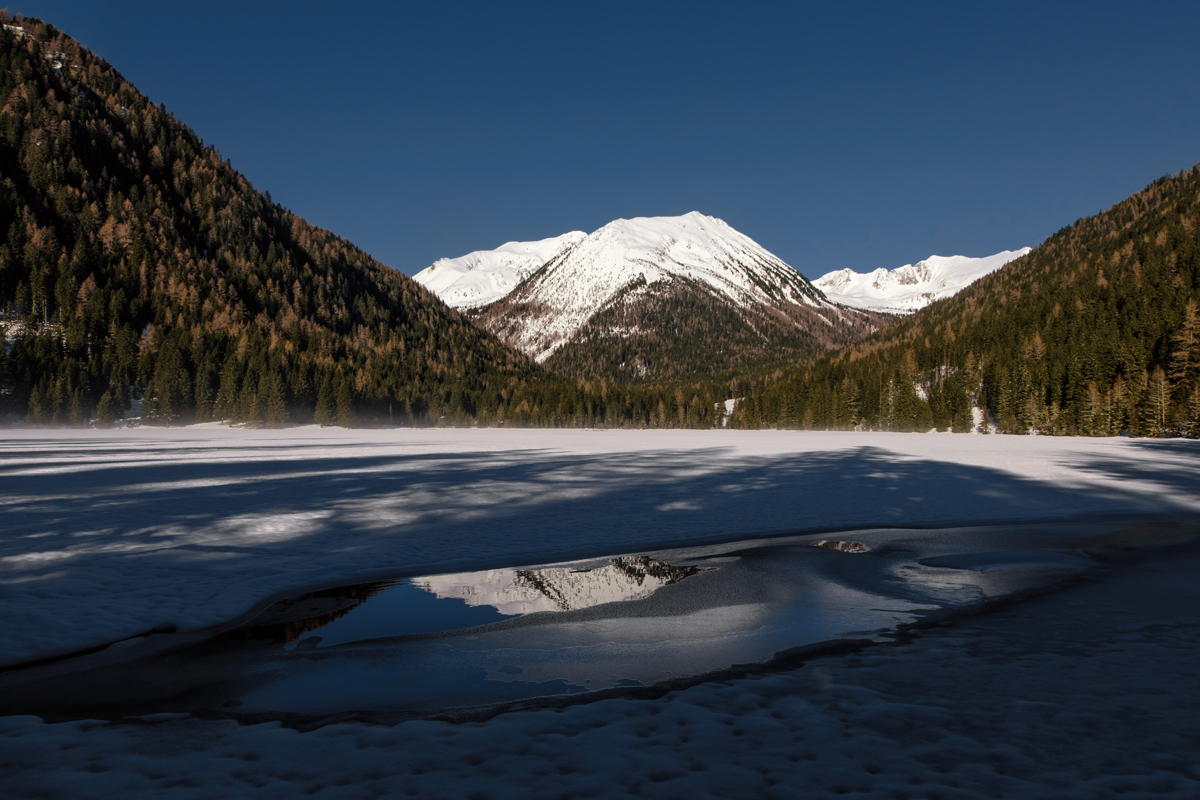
(110, 534)
(129, 543)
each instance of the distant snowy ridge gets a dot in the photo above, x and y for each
(484, 276)
(912, 287)
(628, 258)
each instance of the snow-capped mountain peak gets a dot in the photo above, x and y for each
(913, 286)
(628, 257)
(663, 296)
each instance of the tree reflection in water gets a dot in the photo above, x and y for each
(289, 619)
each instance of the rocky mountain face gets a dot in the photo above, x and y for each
(669, 297)
(911, 287)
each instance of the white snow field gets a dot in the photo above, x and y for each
(911, 287)
(1086, 692)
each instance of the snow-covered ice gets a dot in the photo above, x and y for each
(108, 534)
(194, 526)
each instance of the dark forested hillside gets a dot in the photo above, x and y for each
(137, 264)
(1095, 332)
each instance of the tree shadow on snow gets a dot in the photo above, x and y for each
(1174, 468)
(283, 519)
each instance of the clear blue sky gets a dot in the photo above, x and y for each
(858, 135)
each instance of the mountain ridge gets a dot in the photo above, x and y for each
(667, 297)
(911, 287)
(484, 276)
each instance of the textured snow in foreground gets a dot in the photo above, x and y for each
(484, 276)
(1086, 694)
(1090, 693)
(913, 286)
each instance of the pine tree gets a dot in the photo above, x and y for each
(326, 413)
(1185, 357)
(275, 413)
(204, 394)
(227, 404)
(106, 410)
(1093, 412)
(1158, 402)
(37, 414)
(250, 405)
(77, 415)
(1119, 413)
(347, 415)
(1191, 424)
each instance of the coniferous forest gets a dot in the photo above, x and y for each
(140, 273)
(138, 265)
(1095, 332)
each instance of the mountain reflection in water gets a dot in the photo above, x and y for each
(440, 603)
(517, 592)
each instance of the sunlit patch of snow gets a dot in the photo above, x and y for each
(273, 527)
(36, 558)
(680, 505)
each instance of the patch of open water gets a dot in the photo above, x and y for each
(428, 643)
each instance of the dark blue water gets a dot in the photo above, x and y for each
(402, 609)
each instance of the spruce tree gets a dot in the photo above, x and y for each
(347, 416)
(326, 413)
(275, 413)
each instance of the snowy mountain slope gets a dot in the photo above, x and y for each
(636, 261)
(912, 287)
(483, 276)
